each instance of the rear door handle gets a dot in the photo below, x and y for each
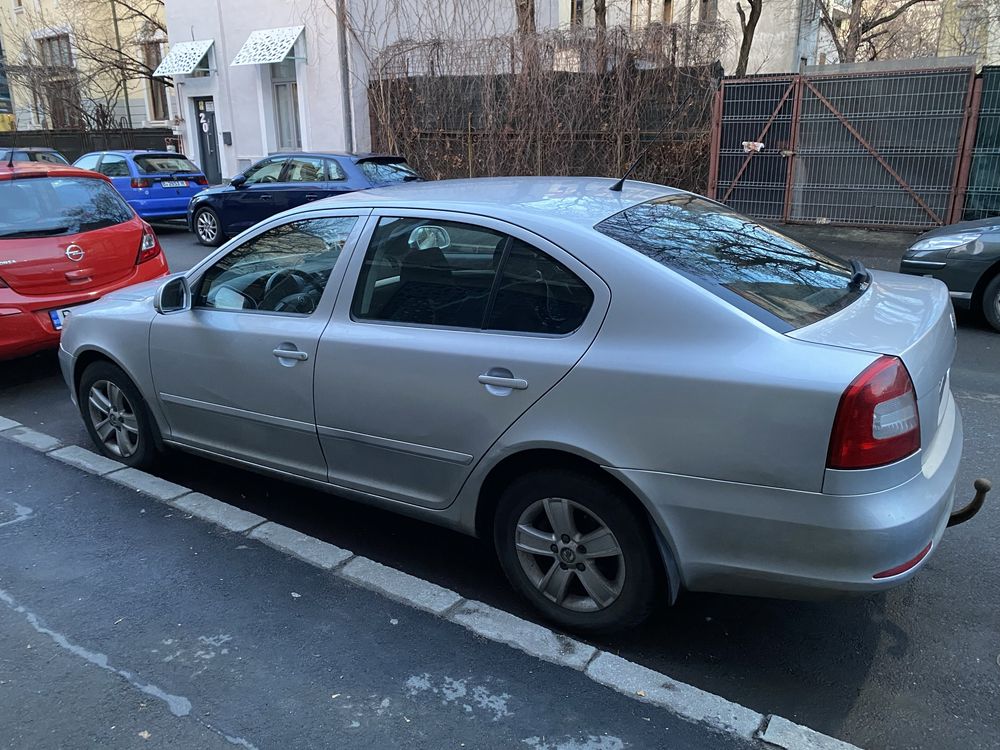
(291, 354)
(518, 384)
(265, 197)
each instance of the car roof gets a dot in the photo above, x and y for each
(137, 152)
(42, 169)
(580, 200)
(30, 149)
(335, 155)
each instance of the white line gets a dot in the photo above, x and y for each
(21, 513)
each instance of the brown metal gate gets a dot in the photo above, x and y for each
(853, 149)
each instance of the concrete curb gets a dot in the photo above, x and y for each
(628, 678)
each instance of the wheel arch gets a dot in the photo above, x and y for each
(534, 459)
(984, 280)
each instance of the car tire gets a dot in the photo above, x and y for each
(991, 303)
(208, 227)
(626, 581)
(116, 416)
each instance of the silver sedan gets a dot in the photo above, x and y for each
(630, 393)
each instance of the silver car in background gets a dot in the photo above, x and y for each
(629, 392)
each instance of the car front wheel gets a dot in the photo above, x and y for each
(207, 227)
(991, 303)
(576, 549)
(116, 416)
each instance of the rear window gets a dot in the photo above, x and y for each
(383, 172)
(52, 206)
(166, 164)
(752, 266)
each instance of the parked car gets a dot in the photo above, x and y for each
(157, 184)
(284, 181)
(66, 238)
(966, 257)
(33, 153)
(628, 392)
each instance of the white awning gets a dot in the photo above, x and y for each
(267, 46)
(183, 58)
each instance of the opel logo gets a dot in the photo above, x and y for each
(74, 253)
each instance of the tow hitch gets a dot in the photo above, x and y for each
(962, 515)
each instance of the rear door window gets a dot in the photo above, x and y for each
(754, 267)
(304, 169)
(52, 206)
(164, 164)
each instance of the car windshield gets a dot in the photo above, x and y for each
(164, 164)
(736, 258)
(380, 172)
(50, 206)
(49, 157)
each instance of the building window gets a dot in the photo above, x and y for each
(18, 5)
(576, 13)
(152, 53)
(55, 52)
(60, 94)
(285, 95)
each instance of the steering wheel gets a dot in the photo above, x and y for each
(268, 178)
(284, 283)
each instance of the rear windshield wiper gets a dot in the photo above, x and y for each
(859, 275)
(47, 232)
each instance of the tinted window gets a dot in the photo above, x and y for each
(738, 259)
(304, 169)
(285, 269)
(265, 171)
(382, 172)
(49, 157)
(88, 162)
(51, 206)
(427, 271)
(163, 164)
(113, 166)
(537, 294)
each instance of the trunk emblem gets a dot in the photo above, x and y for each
(74, 253)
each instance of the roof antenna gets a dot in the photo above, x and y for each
(10, 161)
(617, 187)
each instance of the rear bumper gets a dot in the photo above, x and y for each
(747, 539)
(25, 326)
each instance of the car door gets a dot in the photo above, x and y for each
(234, 373)
(432, 353)
(303, 180)
(117, 168)
(256, 198)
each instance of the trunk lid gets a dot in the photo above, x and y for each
(41, 265)
(909, 317)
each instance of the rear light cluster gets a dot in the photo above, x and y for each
(200, 180)
(149, 247)
(141, 182)
(877, 422)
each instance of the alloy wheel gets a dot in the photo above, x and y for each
(570, 555)
(113, 418)
(207, 226)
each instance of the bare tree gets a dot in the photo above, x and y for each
(525, 16)
(870, 28)
(748, 27)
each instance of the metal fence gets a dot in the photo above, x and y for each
(857, 149)
(74, 143)
(982, 199)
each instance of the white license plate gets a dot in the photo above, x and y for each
(58, 317)
(174, 183)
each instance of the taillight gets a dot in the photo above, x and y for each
(877, 421)
(141, 182)
(200, 180)
(149, 247)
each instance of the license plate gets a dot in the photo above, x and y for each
(58, 317)
(174, 183)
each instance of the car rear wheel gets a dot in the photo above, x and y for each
(574, 547)
(208, 228)
(116, 415)
(991, 302)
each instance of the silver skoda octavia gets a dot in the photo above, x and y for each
(629, 392)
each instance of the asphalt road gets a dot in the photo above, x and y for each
(917, 667)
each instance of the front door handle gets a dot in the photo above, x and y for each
(518, 384)
(291, 354)
(265, 196)
(312, 196)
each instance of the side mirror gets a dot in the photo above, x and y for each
(173, 296)
(238, 181)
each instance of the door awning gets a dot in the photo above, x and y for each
(184, 58)
(267, 46)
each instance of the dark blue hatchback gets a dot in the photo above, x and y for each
(283, 181)
(157, 184)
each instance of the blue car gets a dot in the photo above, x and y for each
(157, 184)
(283, 181)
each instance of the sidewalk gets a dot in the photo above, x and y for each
(125, 622)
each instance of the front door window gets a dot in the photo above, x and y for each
(285, 94)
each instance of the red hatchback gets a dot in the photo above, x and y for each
(66, 238)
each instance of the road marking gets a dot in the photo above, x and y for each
(610, 670)
(21, 513)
